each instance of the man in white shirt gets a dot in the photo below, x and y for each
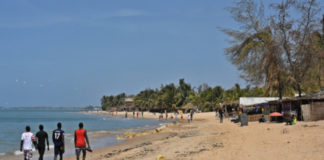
(27, 140)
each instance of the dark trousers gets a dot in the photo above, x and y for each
(41, 151)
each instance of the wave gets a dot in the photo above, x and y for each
(18, 152)
(2, 154)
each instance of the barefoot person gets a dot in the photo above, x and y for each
(41, 136)
(27, 140)
(58, 140)
(80, 139)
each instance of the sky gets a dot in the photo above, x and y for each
(71, 53)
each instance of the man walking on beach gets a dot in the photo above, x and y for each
(41, 136)
(80, 139)
(58, 140)
(27, 140)
(191, 114)
(221, 115)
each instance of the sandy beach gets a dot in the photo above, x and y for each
(206, 138)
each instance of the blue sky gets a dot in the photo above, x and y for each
(71, 53)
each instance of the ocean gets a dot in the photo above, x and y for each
(13, 123)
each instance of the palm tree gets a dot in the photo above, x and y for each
(261, 60)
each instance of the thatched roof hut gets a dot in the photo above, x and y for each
(189, 106)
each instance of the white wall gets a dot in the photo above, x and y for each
(245, 101)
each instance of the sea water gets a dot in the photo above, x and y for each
(13, 123)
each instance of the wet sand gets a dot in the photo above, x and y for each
(206, 138)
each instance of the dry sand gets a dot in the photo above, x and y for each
(205, 138)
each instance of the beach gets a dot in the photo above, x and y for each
(206, 138)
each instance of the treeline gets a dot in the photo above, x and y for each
(172, 96)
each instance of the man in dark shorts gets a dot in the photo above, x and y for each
(80, 139)
(58, 140)
(41, 136)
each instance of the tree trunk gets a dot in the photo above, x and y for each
(280, 87)
(299, 90)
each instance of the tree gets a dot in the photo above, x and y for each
(275, 50)
(318, 41)
(145, 99)
(169, 96)
(294, 36)
(184, 90)
(113, 101)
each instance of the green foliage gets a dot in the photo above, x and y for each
(113, 101)
(172, 97)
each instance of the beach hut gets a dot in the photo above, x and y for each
(231, 108)
(256, 107)
(308, 107)
(189, 106)
(129, 104)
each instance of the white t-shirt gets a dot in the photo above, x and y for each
(28, 139)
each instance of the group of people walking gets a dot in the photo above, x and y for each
(28, 139)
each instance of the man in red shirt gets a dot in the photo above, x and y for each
(80, 139)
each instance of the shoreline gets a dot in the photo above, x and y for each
(206, 138)
(98, 139)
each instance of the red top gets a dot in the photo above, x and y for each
(80, 140)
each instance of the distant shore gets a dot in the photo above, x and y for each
(206, 138)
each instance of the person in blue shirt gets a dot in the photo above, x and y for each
(58, 140)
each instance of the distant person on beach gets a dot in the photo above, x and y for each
(41, 136)
(262, 119)
(220, 111)
(58, 140)
(81, 141)
(27, 140)
(191, 114)
(133, 114)
(125, 114)
(189, 118)
(142, 113)
(137, 114)
(161, 117)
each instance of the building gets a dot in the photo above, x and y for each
(308, 108)
(129, 103)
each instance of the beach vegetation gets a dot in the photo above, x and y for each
(277, 50)
(172, 97)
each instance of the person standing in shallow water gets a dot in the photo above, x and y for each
(41, 136)
(81, 141)
(58, 140)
